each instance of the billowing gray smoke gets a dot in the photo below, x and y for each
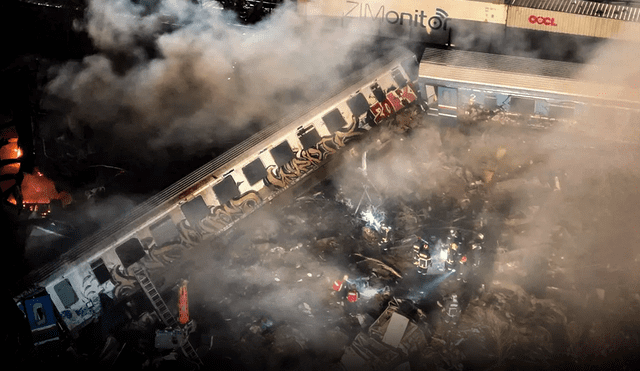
(207, 82)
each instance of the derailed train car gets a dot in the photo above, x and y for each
(552, 29)
(120, 259)
(462, 86)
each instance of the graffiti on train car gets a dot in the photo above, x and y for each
(124, 283)
(90, 286)
(222, 216)
(219, 218)
(189, 236)
(307, 160)
(396, 100)
(160, 256)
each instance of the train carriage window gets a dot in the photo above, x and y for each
(378, 93)
(561, 112)
(541, 107)
(164, 232)
(358, 105)
(491, 102)
(309, 137)
(66, 293)
(334, 120)
(523, 106)
(448, 97)
(282, 153)
(195, 210)
(100, 271)
(503, 101)
(226, 189)
(254, 171)
(398, 77)
(130, 252)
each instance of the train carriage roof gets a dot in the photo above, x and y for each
(467, 69)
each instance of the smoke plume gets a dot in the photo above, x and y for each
(179, 75)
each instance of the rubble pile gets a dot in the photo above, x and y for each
(429, 248)
(284, 266)
(503, 307)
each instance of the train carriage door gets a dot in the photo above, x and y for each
(448, 105)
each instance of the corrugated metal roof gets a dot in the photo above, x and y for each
(589, 8)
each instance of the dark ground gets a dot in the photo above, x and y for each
(567, 340)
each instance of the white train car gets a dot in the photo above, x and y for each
(213, 198)
(451, 81)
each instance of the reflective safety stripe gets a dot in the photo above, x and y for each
(353, 296)
(337, 285)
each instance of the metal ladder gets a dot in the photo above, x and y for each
(161, 308)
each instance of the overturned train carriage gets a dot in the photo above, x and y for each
(211, 199)
(462, 86)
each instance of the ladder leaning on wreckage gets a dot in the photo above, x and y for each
(123, 257)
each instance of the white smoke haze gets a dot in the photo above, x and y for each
(118, 25)
(575, 238)
(207, 82)
(211, 81)
(521, 42)
(273, 271)
(571, 191)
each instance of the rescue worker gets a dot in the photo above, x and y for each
(451, 309)
(338, 285)
(462, 269)
(453, 256)
(422, 256)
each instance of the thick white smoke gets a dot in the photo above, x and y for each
(206, 82)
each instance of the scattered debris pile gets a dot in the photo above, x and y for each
(429, 249)
(389, 342)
